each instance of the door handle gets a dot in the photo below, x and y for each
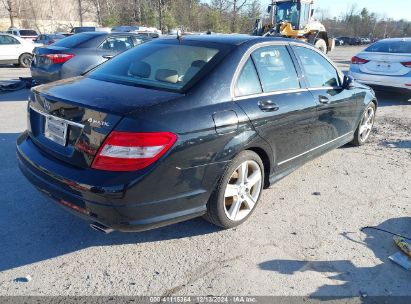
(108, 56)
(268, 106)
(323, 99)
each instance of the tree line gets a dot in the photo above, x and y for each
(222, 16)
(235, 16)
(363, 23)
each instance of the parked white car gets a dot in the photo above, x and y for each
(385, 63)
(16, 50)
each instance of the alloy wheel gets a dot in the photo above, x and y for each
(242, 190)
(367, 123)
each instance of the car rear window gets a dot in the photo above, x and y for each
(28, 33)
(162, 65)
(57, 36)
(83, 29)
(73, 41)
(398, 47)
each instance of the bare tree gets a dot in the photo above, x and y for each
(237, 6)
(10, 6)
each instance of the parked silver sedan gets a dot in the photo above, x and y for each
(384, 63)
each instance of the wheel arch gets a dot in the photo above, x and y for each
(262, 153)
(25, 53)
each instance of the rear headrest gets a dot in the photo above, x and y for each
(119, 46)
(140, 69)
(198, 63)
(165, 75)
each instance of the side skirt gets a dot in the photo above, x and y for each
(303, 159)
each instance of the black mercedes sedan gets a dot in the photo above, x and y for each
(75, 55)
(181, 128)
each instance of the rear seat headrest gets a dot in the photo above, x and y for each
(198, 63)
(166, 75)
(140, 69)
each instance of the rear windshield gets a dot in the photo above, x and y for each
(73, 41)
(77, 30)
(399, 47)
(57, 36)
(28, 33)
(160, 65)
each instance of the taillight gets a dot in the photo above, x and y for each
(358, 60)
(59, 58)
(406, 64)
(124, 151)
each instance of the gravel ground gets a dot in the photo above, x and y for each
(296, 243)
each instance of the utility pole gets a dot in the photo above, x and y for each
(272, 11)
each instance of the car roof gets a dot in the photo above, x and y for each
(408, 39)
(231, 39)
(107, 33)
(20, 29)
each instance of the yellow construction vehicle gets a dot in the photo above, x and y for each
(295, 19)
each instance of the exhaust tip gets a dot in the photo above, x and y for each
(101, 228)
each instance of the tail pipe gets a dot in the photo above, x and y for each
(101, 228)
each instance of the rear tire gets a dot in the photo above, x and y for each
(362, 134)
(321, 45)
(25, 60)
(238, 191)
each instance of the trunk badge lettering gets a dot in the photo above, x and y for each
(100, 123)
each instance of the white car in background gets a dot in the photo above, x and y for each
(16, 50)
(385, 63)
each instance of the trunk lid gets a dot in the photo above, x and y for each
(71, 118)
(388, 64)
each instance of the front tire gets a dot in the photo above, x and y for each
(238, 191)
(25, 60)
(321, 45)
(363, 131)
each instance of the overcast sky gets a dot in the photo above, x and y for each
(396, 9)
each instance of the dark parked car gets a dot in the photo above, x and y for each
(349, 40)
(82, 29)
(79, 53)
(48, 39)
(179, 128)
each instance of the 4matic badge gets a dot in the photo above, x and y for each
(100, 123)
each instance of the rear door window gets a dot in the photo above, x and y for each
(276, 69)
(318, 71)
(248, 82)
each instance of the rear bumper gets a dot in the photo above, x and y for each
(381, 80)
(42, 76)
(117, 206)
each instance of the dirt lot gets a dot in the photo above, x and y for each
(296, 243)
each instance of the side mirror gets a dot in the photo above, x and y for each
(348, 82)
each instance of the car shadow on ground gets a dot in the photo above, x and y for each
(20, 95)
(33, 228)
(354, 280)
(404, 144)
(392, 98)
